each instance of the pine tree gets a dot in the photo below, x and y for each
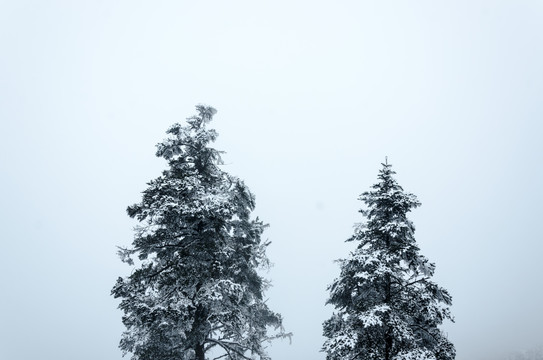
(196, 253)
(387, 307)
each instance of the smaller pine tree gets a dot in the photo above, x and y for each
(387, 306)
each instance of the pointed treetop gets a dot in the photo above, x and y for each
(386, 177)
(205, 115)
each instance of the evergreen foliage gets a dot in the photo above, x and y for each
(387, 308)
(196, 252)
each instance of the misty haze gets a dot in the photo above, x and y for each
(255, 221)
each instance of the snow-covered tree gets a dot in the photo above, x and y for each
(196, 252)
(387, 307)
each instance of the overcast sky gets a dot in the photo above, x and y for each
(311, 97)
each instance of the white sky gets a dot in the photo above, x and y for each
(312, 95)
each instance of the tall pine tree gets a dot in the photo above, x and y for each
(387, 307)
(196, 252)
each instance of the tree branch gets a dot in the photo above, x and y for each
(227, 346)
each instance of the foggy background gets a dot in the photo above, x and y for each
(311, 97)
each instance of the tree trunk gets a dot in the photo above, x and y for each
(388, 344)
(388, 328)
(199, 350)
(388, 300)
(198, 329)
